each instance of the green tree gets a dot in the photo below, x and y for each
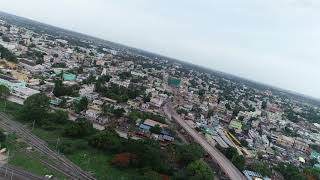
(6, 54)
(2, 137)
(244, 143)
(199, 170)
(264, 105)
(188, 153)
(80, 128)
(35, 108)
(238, 161)
(81, 105)
(290, 172)
(6, 39)
(118, 112)
(156, 129)
(106, 140)
(262, 168)
(147, 98)
(58, 116)
(62, 90)
(4, 92)
(228, 106)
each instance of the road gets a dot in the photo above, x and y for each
(55, 160)
(227, 167)
(11, 172)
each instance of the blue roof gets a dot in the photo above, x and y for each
(144, 127)
(168, 138)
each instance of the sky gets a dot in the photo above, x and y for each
(276, 42)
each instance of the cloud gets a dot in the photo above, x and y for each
(272, 41)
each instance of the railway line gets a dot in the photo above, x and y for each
(57, 161)
(12, 172)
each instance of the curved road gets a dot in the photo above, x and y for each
(227, 167)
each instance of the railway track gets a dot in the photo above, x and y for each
(58, 161)
(12, 172)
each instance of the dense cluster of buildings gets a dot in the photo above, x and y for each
(230, 114)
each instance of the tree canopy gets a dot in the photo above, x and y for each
(35, 108)
(4, 92)
(6, 54)
(199, 170)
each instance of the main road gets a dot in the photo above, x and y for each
(227, 167)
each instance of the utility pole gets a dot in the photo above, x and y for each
(5, 105)
(57, 144)
(33, 124)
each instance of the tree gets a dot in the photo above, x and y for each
(4, 92)
(58, 116)
(244, 142)
(80, 128)
(289, 171)
(123, 160)
(199, 170)
(118, 112)
(2, 137)
(147, 98)
(262, 168)
(106, 140)
(6, 39)
(152, 175)
(228, 106)
(6, 54)
(81, 105)
(238, 161)
(264, 105)
(201, 92)
(62, 90)
(156, 129)
(148, 154)
(188, 153)
(35, 108)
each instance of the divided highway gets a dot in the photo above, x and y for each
(57, 161)
(227, 167)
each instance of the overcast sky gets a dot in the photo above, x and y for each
(272, 41)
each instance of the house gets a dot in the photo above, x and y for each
(250, 175)
(69, 77)
(24, 92)
(92, 114)
(156, 102)
(152, 123)
(164, 136)
(31, 66)
(235, 124)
